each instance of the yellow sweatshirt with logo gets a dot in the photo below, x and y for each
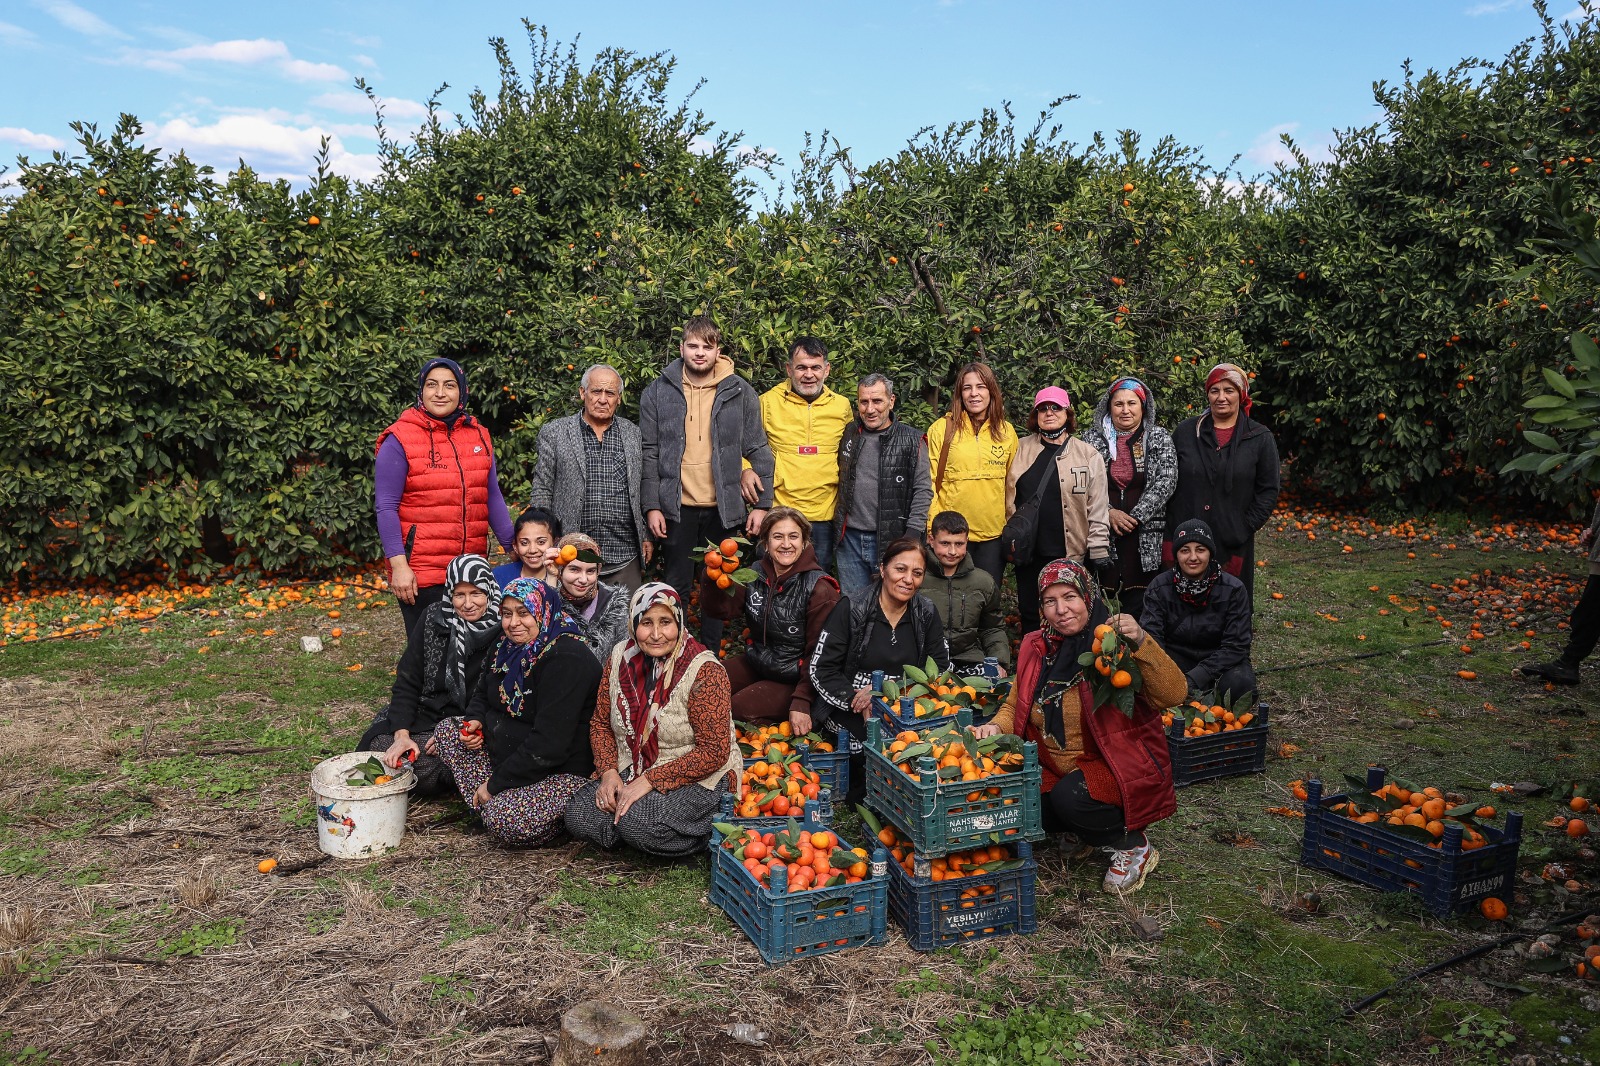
(974, 475)
(805, 447)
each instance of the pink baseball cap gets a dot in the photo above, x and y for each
(1053, 394)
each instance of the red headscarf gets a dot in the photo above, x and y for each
(1236, 377)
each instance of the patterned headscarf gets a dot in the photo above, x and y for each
(513, 661)
(646, 683)
(1234, 375)
(466, 637)
(586, 546)
(1063, 649)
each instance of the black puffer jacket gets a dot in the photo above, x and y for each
(1206, 642)
(1231, 489)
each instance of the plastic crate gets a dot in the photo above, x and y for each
(934, 915)
(818, 812)
(787, 926)
(1447, 878)
(938, 817)
(832, 767)
(1228, 754)
(900, 716)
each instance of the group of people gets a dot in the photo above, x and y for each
(564, 690)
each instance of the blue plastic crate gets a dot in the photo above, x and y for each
(934, 915)
(938, 816)
(832, 767)
(818, 812)
(1447, 878)
(902, 718)
(1226, 754)
(786, 926)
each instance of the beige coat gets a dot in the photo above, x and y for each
(1085, 501)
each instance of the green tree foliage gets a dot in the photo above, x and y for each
(1394, 354)
(194, 369)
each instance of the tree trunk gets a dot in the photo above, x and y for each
(598, 1032)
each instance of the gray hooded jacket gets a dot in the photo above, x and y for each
(737, 434)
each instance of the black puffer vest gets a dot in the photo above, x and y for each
(777, 617)
(898, 452)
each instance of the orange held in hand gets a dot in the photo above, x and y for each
(567, 554)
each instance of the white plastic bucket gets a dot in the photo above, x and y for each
(359, 821)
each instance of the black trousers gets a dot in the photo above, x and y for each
(1233, 683)
(1069, 808)
(1584, 623)
(986, 556)
(695, 527)
(410, 612)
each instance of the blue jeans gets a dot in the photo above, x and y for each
(857, 559)
(822, 543)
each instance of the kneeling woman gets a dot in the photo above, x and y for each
(662, 734)
(438, 672)
(520, 752)
(886, 626)
(1106, 776)
(600, 610)
(785, 607)
(1201, 615)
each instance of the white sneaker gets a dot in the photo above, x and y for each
(1129, 868)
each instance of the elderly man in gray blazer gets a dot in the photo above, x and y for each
(588, 474)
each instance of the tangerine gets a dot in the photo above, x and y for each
(1493, 908)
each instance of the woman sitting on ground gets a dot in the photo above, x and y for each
(519, 753)
(438, 672)
(886, 626)
(600, 610)
(1201, 616)
(662, 734)
(1105, 775)
(785, 608)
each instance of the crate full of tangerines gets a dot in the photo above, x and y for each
(967, 895)
(925, 696)
(1213, 738)
(797, 889)
(776, 744)
(947, 790)
(1397, 837)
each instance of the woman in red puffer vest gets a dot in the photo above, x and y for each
(437, 489)
(1105, 775)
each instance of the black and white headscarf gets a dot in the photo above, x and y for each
(466, 637)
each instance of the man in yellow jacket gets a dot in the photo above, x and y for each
(804, 420)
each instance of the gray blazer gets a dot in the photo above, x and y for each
(558, 471)
(737, 431)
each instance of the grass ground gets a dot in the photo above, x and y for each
(147, 773)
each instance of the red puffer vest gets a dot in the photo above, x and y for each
(1133, 749)
(444, 511)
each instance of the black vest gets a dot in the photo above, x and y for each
(864, 603)
(898, 451)
(777, 618)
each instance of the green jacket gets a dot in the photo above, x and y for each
(969, 605)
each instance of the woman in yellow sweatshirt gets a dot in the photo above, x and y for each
(969, 452)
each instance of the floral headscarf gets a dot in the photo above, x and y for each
(515, 661)
(646, 683)
(1062, 650)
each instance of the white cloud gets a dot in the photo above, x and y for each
(260, 51)
(1578, 14)
(356, 103)
(365, 61)
(275, 149)
(304, 70)
(1269, 150)
(13, 34)
(1493, 7)
(29, 139)
(74, 17)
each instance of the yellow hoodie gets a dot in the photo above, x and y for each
(805, 446)
(974, 476)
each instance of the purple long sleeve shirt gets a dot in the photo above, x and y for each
(390, 477)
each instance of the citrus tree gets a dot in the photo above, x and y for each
(1395, 347)
(196, 365)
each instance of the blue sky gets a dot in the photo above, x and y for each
(266, 82)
